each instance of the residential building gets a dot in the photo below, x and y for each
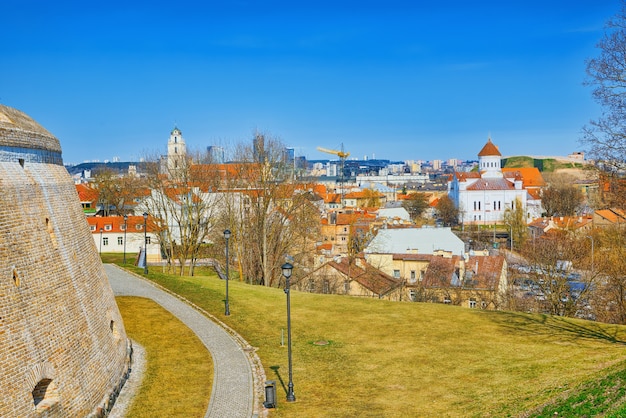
(112, 234)
(351, 277)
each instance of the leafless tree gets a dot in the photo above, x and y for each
(605, 137)
(183, 206)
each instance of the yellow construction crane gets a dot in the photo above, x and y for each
(341, 154)
(342, 158)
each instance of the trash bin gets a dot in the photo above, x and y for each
(270, 394)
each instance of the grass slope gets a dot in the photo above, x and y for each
(179, 371)
(389, 359)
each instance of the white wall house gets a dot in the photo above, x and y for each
(482, 197)
(109, 237)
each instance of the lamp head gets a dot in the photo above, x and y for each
(287, 268)
(145, 216)
(227, 233)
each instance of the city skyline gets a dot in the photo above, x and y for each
(402, 81)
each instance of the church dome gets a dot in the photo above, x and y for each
(489, 150)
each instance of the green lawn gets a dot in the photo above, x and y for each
(179, 370)
(390, 359)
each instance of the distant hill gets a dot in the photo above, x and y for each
(545, 165)
(94, 167)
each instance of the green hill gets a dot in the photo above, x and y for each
(394, 359)
(546, 165)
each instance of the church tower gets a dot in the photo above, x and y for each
(489, 161)
(176, 151)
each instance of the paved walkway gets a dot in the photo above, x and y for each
(234, 383)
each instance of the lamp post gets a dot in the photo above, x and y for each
(100, 250)
(511, 235)
(125, 220)
(226, 237)
(287, 268)
(592, 265)
(145, 243)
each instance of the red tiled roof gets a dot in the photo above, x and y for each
(86, 193)
(114, 224)
(492, 184)
(489, 150)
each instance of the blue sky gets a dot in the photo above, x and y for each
(387, 79)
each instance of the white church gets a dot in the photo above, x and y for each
(482, 197)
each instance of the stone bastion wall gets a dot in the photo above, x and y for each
(63, 347)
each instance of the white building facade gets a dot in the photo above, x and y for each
(482, 197)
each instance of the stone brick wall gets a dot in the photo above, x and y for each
(63, 347)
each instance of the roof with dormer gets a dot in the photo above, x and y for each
(489, 150)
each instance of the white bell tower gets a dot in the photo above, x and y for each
(176, 151)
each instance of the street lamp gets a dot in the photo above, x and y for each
(511, 235)
(287, 268)
(100, 250)
(125, 220)
(592, 266)
(145, 243)
(226, 237)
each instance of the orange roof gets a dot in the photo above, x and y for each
(489, 150)
(611, 215)
(86, 193)
(464, 175)
(115, 224)
(531, 176)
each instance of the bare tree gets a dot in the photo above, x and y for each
(562, 200)
(275, 218)
(447, 211)
(183, 206)
(553, 262)
(515, 219)
(605, 137)
(415, 204)
(609, 296)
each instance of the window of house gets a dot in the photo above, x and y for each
(413, 276)
(343, 238)
(92, 227)
(311, 285)
(326, 287)
(413, 295)
(345, 229)
(120, 241)
(346, 286)
(108, 227)
(122, 227)
(472, 303)
(396, 274)
(147, 240)
(105, 241)
(139, 227)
